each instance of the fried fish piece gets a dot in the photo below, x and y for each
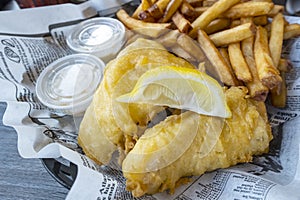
(121, 122)
(245, 134)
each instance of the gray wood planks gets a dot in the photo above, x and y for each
(23, 178)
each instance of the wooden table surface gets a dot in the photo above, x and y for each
(23, 178)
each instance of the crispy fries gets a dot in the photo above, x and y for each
(238, 62)
(200, 10)
(191, 46)
(180, 52)
(145, 4)
(291, 30)
(169, 39)
(260, 20)
(284, 65)
(226, 37)
(257, 90)
(233, 35)
(170, 10)
(224, 53)
(209, 2)
(267, 72)
(187, 10)
(275, 10)
(210, 14)
(201, 67)
(195, 3)
(215, 58)
(182, 24)
(217, 25)
(155, 11)
(276, 38)
(145, 28)
(278, 97)
(249, 9)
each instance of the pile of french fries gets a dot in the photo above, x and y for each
(239, 42)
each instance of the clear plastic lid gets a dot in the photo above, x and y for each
(68, 84)
(101, 36)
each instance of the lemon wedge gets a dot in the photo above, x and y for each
(181, 88)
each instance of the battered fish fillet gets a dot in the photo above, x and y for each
(108, 124)
(246, 134)
(158, 158)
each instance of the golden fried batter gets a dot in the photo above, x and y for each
(159, 158)
(120, 122)
(245, 134)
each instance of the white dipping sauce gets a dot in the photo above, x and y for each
(96, 35)
(68, 84)
(101, 36)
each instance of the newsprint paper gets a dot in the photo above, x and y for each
(27, 48)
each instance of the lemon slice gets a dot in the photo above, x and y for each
(181, 88)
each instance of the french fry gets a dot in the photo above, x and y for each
(224, 53)
(233, 35)
(195, 3)
(182, 24)
(235, 22)
(155, 11)
(284, 65)
(145, 4)
(275, 10)
(291, 30)
(257, 90)
(187, 10)
(146, 16)
(267, 72)
(210, 69)
(158, 8)
(268, 28)
(191, 46)
(234, 52)
(208, 2)
(133, 38)
(170, 10)
(200, 10)
(278, 99)
(201, 67)
(260, 20)
(238, 63)
(145, 28)
(217, 25)
(162, 4)
(210, 14)
(216, 60)
(137, 11)
(169, 39)
(249, 9)
(276, 38)
(180, 52)
(270, 1)
(279, 94)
